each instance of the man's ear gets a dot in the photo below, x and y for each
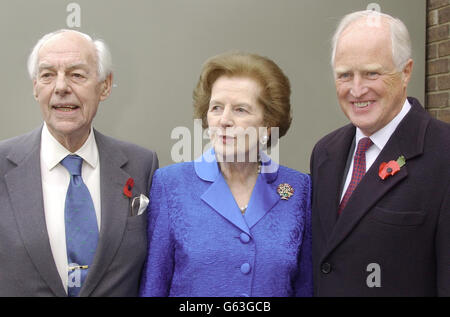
(35, 94)
(106, 87)
(407, 72)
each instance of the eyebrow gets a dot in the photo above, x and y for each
(341, 70)
(70, 67)
(373, 67)
(367, 68)
(242, 104)
(213, 102)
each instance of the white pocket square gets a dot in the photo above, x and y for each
(139, 205)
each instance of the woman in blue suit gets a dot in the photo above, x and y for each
(233, 222)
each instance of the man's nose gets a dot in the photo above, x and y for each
(61, 86)
(359, 87)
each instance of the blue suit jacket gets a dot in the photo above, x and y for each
(201, 245)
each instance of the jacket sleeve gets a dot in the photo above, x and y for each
(158, 268)
(304, 282)
(153, 168)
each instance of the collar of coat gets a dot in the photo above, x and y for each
(206, 167)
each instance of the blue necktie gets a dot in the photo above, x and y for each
(81, 226)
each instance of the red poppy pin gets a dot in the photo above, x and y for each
(391, 168)
(128, 187)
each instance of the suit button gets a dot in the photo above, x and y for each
(326, 268)
(245, 268)
(244, 238)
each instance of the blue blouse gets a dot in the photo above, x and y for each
(200, 244)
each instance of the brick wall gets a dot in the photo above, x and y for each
(438, 59)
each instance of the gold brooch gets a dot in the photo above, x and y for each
(285, 191)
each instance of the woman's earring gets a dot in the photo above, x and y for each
(264, 140)
(208, 133)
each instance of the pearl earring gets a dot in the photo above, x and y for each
(264, 140)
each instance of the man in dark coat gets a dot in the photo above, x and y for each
(381, 185)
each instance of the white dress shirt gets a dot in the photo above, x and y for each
(55, 182)
(379, 139)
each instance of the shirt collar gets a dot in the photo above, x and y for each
(52, 152)
(206, 167)
(382, 136)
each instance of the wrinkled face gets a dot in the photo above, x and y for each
(371, 91)
(67, 86)
(235, 117)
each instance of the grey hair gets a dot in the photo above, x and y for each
(104, 59)
(401, 41)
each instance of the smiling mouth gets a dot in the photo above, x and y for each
(65, 108)
(363, 104)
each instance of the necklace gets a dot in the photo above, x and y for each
(244, 208)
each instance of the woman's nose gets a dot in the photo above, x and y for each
(226, 120)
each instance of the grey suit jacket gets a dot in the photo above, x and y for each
(27, 267)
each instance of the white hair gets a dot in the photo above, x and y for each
(104, 59)
(401, 41)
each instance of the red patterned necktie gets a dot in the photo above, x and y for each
(359, 169)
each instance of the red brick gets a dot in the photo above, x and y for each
(433, 113)
(437, 33)
(444, 115)
(443, 82)
(432, 84)
(444, 48)
(432, 18)
(434, 4)
(444, 15)
(432, 51)
(438, 100)
(439, 66)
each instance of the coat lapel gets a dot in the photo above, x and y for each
(408, 141)
(114, 209)
(264, 196)
(330, 171)
(219, 197)
(24, 185)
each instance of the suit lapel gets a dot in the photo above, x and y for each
(408, 141)
(330, 171)
(219, 197)
(371, 189)
(264, 198)
(114, 209)
(24, 185)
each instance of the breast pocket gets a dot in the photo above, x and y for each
(399, 218)
(137, 222)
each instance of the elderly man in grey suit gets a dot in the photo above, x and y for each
(66, 191)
